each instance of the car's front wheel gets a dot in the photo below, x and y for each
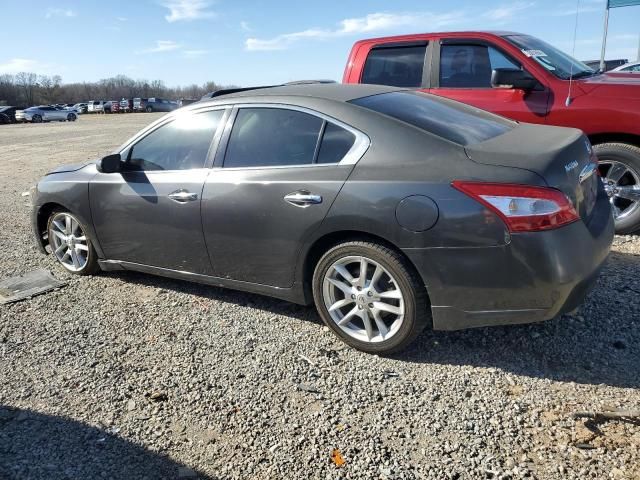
(70, 244)
(71, 117)
(619, 165)
(370, 297)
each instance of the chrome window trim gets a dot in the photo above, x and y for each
(356, 152)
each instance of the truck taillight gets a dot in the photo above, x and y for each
(523, 208)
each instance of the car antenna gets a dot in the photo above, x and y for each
(568, 101)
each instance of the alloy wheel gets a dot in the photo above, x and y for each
(68, 242)
(363, 299)
(622, 185)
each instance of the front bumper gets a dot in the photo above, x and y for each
(535, 277)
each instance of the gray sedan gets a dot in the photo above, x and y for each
(46, 113)
(389, 209)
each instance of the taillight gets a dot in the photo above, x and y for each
(523, 208)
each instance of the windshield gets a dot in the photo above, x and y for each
(445, 118)
(555, 61)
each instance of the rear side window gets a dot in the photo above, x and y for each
(448, 119)
(336, 142)
(182, 144)
(269, 137)
(400, 66)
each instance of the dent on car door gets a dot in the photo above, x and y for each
(150, 212)
(282, 170)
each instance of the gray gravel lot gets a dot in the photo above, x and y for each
(126, 376)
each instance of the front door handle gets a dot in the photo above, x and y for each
(303, 198)
(182, 196)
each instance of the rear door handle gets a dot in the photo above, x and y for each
(302, 198)
(182, 196)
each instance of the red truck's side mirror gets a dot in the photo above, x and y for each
(512, 78)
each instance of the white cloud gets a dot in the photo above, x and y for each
(16, 65)
(122, 19)
(184, 10)
(60, 12)
(571, 12)
(245, 27)
(506, 12)
(194, 53)
(374, 22)
(162, 46)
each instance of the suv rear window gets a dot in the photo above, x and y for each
(445, 118)
(399, 66)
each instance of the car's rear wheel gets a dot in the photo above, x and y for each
(149, 109)
(36, 118)
(71, 117)
(619, 165)
(70, 244)
(370, 297)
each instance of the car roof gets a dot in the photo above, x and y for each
(333, 91)
(415, 36)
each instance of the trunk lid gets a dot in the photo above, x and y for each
(563, 157)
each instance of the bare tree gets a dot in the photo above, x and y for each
(28, 84)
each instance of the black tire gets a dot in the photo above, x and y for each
(36, 118)
(629, 156)
(417, 314)
(71, 117)
(149, 109)
(92, 265)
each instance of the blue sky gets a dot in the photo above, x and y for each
(248, 43)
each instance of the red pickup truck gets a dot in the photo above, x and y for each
(526, 79)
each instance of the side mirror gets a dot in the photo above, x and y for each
(512, 78)
(110, 164)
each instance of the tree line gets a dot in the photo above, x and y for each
(26, 89)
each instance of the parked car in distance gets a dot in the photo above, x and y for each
(111, 106)
(608, 64)
(139, 104)
(526, 79)
(633, 67)
(47, 113)
(183, 102)
(8, 114)
(126, 105)
(160, 105)
(95, 106)
(472, 221)
(79, 107)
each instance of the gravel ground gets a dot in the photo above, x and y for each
(122, 376)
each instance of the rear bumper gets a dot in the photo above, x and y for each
(535, 277)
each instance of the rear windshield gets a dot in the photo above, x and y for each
(448, 119)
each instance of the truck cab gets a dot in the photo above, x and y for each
(526, 79)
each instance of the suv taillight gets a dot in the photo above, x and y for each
(523, 208)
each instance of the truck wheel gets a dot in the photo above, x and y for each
(370, 297)
(149, 109)
(619, 165)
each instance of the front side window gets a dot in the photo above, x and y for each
(400, 66)
(269, 137)
(181, 144)
(470, 66)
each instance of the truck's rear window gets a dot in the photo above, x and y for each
(445, 118)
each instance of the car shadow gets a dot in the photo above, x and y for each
(39, 446)
(598, 345)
